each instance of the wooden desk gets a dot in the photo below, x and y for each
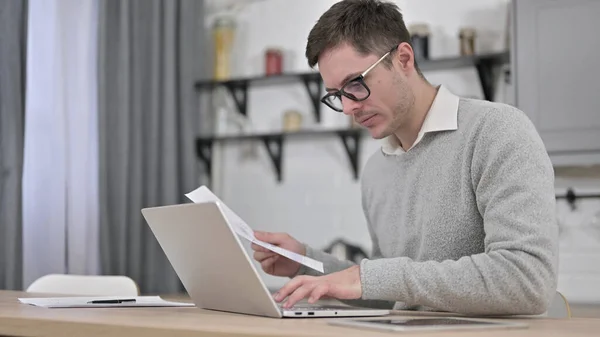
(17, 319)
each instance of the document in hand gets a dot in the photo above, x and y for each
(102, 302)
(204, 194)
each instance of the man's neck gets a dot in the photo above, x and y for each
(424, 95)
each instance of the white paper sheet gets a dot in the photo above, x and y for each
(84, 302)
(204, 194)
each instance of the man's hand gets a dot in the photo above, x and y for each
(273, 263)
(344, 285)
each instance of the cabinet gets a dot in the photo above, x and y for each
(556, 67)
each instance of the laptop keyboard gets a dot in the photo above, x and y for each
(316, 308)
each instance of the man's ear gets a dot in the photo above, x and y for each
(405, 57)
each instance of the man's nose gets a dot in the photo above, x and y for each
(350, 107)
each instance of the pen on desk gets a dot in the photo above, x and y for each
(111, 301)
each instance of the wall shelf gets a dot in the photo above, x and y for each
(485, 65)
(274, 144)
(238, 88)
(572, 197)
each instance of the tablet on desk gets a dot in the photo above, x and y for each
(413, 324)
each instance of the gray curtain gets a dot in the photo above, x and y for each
(149, 57)
(13, 23)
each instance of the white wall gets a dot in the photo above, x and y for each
(318, 199)
(580, 240)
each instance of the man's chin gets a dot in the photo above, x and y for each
(378, 133)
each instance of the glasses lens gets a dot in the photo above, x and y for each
(356, 89)
(335, 102)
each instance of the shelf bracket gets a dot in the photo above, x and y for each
(204, 152)
(351, 141)
(274, 145)
(239, 93)
(487, 78)
(314, 86)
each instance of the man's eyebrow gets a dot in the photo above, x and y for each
(345, 80)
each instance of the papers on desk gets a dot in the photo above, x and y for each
(102, 302)
(203, 194)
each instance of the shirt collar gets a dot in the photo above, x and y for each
(442, 116)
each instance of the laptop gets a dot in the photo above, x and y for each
(216, 270)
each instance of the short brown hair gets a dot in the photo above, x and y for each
(371, 26)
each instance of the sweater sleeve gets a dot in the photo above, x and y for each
(513, 181)
(332, 264)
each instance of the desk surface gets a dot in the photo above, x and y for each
(17, 319)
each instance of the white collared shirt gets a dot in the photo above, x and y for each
(442, 116)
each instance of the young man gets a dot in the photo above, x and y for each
(459, 201)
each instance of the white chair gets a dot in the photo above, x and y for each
(559, 307)
(84, 285)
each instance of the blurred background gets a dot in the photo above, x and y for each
(109, 106)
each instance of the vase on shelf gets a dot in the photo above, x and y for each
(223, 35)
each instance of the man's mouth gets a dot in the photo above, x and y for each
(363, 120)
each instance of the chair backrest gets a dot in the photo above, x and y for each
(85, 285)
(559, 307)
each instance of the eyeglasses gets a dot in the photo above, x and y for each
(356, 89)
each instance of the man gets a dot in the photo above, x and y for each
(459, 201)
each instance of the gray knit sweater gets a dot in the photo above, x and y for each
(463, 222)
